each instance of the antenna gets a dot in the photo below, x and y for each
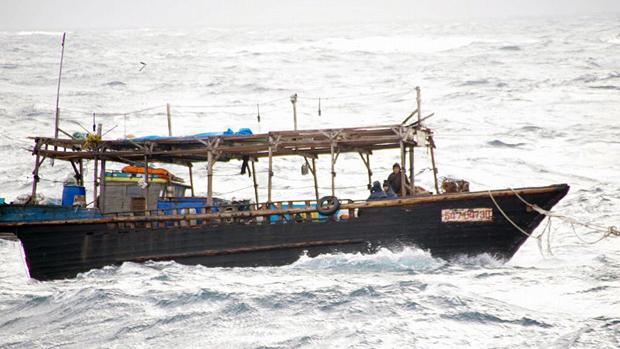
(57, 118)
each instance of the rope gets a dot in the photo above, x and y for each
(508, 218)
(606, 231)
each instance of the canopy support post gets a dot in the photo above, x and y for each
(35, 171)
(95, 182)
(313, 171)
(366, 162)
(403, 177)
(411, 169)
(191, 178)
(255, 184)
(270, 174)
(210, 179)
(81, 179)
(146, 181)
(432, 146)
(102, 184)
(333, 155)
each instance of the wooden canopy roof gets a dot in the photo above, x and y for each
(185, 150)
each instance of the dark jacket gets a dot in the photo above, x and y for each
(376, 193)
(390, 193)
(394, 180)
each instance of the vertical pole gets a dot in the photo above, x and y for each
(411, 169)
(210, 179)
(432, 146)
(294, 101)
(255, 184)
(146, 180)
(419, 102)
(269, 181)
(333, 169)
(316, 184)
(403, 190)
(62, 55)
(191, 178)
(95, 171)
(81, 179)
(169, 119)
(35, 173)
(95, 182)
(102, 184)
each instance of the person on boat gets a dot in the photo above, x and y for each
(387, 189)
(394, 179)
(376, 192)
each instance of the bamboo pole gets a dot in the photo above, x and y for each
(403, 190)
(316, 183)
(255, 184)
(210, 179)
(169, 119)
(432, 146)
(191, 178)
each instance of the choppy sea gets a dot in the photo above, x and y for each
(519, 102)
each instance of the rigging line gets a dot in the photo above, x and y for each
(612, 230)
(508, 218)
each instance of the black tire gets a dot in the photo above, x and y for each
(328, 205)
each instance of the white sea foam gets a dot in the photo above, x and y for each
(518, 103)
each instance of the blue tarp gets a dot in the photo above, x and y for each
(229, 132)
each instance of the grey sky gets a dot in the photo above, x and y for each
(72, 14)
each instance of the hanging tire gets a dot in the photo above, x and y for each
(328, 205)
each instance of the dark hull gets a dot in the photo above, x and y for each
(61, 251)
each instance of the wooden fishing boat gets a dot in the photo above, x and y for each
(211, 232)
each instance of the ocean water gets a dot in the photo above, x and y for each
(520, 102)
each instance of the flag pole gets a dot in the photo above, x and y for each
(62, 55)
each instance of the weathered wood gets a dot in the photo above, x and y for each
(191, 178)
(333, 169)
(103, 185)
(294, 102)
(403, 177)
(452, 197)
(35, 172)
(169, 117)
(210, 178)
(255, 182)
(411, 169)
(431, 147)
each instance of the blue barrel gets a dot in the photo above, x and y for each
(73, 194)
